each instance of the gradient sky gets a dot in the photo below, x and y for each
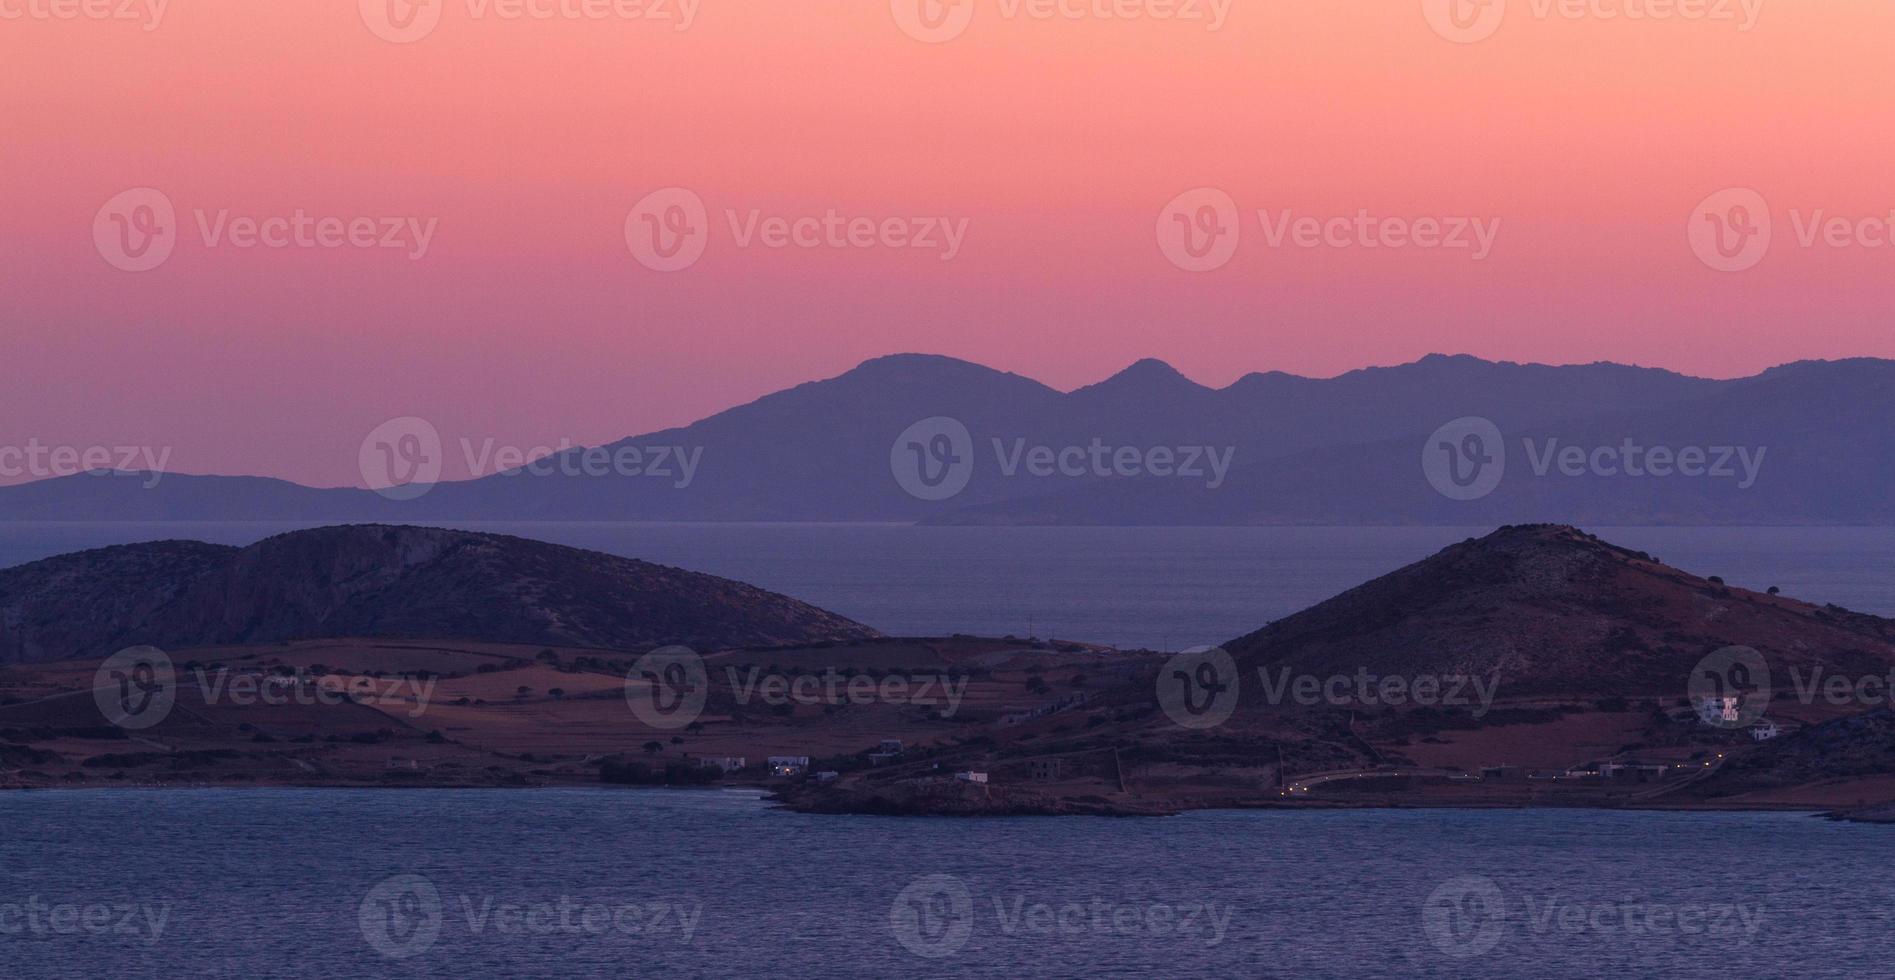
(1059, 142)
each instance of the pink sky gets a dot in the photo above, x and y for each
(524, 143)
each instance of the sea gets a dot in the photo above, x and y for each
(595, 883)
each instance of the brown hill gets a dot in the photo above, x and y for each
(384, 581)
(1555, 610)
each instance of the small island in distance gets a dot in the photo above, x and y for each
(1537, 666)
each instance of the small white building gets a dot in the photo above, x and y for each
(788, 765)
(725, 763)
(971, 777)
(1765, 730)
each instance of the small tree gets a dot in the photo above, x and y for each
(653, 748)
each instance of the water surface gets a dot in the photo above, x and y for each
(255, 883)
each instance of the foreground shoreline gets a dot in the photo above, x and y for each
(792, 802)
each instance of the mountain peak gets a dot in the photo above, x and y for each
(1146, 377)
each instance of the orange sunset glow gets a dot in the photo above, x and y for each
(1532, 180)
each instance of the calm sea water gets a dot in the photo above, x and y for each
(1160, 588)
(596, 883)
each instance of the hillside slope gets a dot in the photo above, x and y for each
(384, 581)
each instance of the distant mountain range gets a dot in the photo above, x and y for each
(384, 582)
(937, 440)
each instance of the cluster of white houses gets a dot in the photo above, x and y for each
(794, 766)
